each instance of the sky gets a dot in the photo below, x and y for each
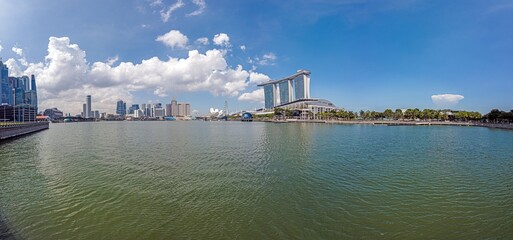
(362, 54)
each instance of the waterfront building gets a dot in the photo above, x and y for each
(143, 108)
(132, 109)
(96, 114)
(5, 89)
(121, 108)
(17, 94)
(84, 109)
(53, 113)
(88, 107)
(174, 107)
(184, 109)
(138, 113)
(293, 93)
(286, 90)
(168, 109)
(159, 112)
(33, 92)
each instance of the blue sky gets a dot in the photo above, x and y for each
(363, 54)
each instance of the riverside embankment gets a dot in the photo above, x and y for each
(18, 129)
(400, 123)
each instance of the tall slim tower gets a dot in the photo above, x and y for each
(88, 107)
(33, 92)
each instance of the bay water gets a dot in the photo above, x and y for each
(240, 180)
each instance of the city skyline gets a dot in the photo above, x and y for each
(364, 55)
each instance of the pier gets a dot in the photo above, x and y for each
(11, 130)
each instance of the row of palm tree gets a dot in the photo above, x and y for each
(398, 114)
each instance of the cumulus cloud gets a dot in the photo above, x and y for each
(255, 96)
(446, 99)
(201, 7)
(221, 39)
(1, 48)
(14, 68)
(65, 77)
(202, 41)
(173, 38)
(257, 78)
(165, 14)
(18, 51)
(243, 47)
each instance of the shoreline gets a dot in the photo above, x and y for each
(398, 123)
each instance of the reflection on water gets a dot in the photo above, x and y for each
(132, 180)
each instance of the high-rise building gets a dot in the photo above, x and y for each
(269, 93)
(168, 110)
(184, 109)
(287, 90)
(159, 112)
(5, 89)
(88, 107)
(18, 93)
(84, 109)
(33, 92)
(132, 109)
(121, 108)
(174, 107)
(143, 108)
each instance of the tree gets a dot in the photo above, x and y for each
(388, 113)
(409, 113)
(398, 114)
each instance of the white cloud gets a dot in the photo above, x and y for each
(258, 78)
(166, 14)
(160, 92)
(255, 96)
(1, 48)
(221, 39)
(173, 38)
(269, 56)
(243, 47)
(156, 3)
(201, 7)
(202, 41)
(446, 99)
(14, 68)
(65, 77)
(18, 51)
(265, 60)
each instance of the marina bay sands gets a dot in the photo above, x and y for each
(293, 92)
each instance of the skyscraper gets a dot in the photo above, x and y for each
(121, 108)
(168, 109)
(84, 109)
(174, 107)
(286, 90)
(5, 89)
(88, 107)
(143, 108)
(33, 92)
